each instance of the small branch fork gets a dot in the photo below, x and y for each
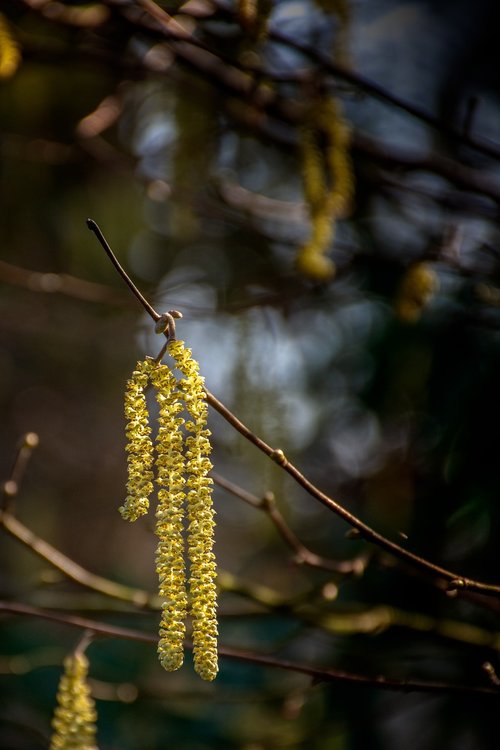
(454, 582)
(302, 554)
(142, 600)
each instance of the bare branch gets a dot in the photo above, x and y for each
(251, 657)
(455, 582)
(10, 487)
(302, 554)
(71, 569)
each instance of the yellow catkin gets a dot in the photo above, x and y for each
(247, 12)
(169, 520)
(10, 56)
(328, 180)
(341, 9)
(254, 15)
(337, 157)
(418, 285)
(202, 577)
(74, 721)
(139, 447)
(182, 464)
(313, 169)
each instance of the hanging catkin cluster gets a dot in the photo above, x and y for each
(182, 464)
(328, 180)
(75, 715)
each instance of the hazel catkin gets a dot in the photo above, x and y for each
(74, 721)
(182, 474)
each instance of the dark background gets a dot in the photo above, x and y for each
(398, 419)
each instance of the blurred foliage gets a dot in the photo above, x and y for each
(180, 134)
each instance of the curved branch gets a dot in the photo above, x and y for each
(362, 83)
(71, 569)
(252, 657)
(455, 582)
(302, 554)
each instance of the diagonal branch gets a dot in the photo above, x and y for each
(71, 569)
(251, 657)
(455, 582)
(302, 554)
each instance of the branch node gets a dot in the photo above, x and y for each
(454, 586)
(166, 324)
(491, 672)
(31, 440)
(359, 566)
(10, 488)
(268, 501)
(353, 534)
(279, 457)
(330, 591)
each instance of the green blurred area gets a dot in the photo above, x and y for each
(395, 418)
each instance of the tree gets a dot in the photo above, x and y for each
(315, 189)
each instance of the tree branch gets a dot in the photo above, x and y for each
(250, 657)
(71, 569)
(302, 554)
(455, 582)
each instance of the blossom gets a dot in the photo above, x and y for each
(182, 467)
(75, 714)
(170, 565)
(139, 447)
(202, 574)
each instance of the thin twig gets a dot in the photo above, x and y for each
(263, 105)
(251, 657)
(456, 582)
(71, 569)
(358, 618)
(91, 224)
(46, 551)
(61, 283)
(10, 488)
(373, 88)
(302, 554)
(175, 31)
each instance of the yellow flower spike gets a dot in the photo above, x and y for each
(10, 57)
(337, 159)
(139, 447)
(181, 463)
(203, 572)
(74, 721)
(312, 167)
(328, 181)
(418, 286)
(169, 520)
